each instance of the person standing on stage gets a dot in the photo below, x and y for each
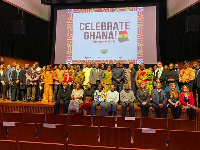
(118, 76)
(196, 84)
(86, 73)
(7, 82)
(96, 75)
(187, 76)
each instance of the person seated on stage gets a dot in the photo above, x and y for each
(76, 98)
(88, 97)
(187, 102)
(173, 101)
(127, 100)
(99, 99)
(112, 100)
(48, 77)
(159, 101)
(64, 96)
(143, 98)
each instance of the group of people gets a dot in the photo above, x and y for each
(94, 84)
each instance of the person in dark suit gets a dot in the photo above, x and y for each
(118, 77)
(16, 83)
(143, 98)
(196, 84)
(22, 80)
(64, 96)
(6, 82)
(1, 74)
(159, 101)
(130, 77)
(96, 76)
(160, 74)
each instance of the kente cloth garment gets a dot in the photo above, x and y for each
(187, 75)
(32, 77)
(86, 72)
(107, 80)
(100, 96)
(48, 93)
(68, 76)
(146, 76)
(58, 76)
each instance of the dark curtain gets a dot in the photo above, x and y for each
(32, 44)
(181, 45)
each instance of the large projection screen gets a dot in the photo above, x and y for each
(106, 35)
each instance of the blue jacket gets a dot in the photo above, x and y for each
(155, 97)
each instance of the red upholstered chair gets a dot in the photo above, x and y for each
(51, 135)
(8, 145)
(3, 131)
(13, 117)
(151, 140)
(181, 124)
(115, 136)
(88, 147)
(57, 118)
(121, 148)
(34, 118)
(79, 120)
(104, 121)
(83, 135)
(22, 132)
(154, 123)
(24, 145)
(184, 140)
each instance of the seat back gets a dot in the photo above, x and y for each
(83, 135)
(3, 132)
(24, 145)
(155, 140)
(13, 117)
(181, 124)
(88, 147)
(22, 132)
(154, 123)
(104, 121)
(8, 145)
(57, 118)
(115, 136)
(79, 120)
(34, 118)
(51, 135)
(179, 140)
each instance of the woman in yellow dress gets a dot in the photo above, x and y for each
(107, 79)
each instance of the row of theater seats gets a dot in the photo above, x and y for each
(98, 131)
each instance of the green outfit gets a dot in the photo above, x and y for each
(107, 80)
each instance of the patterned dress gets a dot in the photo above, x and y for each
(68, 76)
(147, 76)
(78, 78)
(107, 80)
(48, 77)
(74, 104)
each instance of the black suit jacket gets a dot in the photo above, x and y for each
(22, 79)
(197, 78)
(162, 78)
(64, 94)
(133, 73)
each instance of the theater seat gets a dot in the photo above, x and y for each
(83, 135)
(8, 145)
(79, 120)
(88, 147)
(24, 145)
(184, 140)
(34, 118)
(51, 135)
(154, 123)
(151, 140)
(13, 117)
(3, 131)
(57, 118)
(181, 124)
(104, 121)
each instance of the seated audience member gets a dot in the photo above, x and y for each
(127, 100)
(64, 96)
(159, 101)
(76, 98)
(173, 101)
(22, 80)
(187, 76)
(187, 102)
(88, 97)
(99, 99)
(16, 83)
(171, 77)
(143, 98)
(48, 77)
(112, 100)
